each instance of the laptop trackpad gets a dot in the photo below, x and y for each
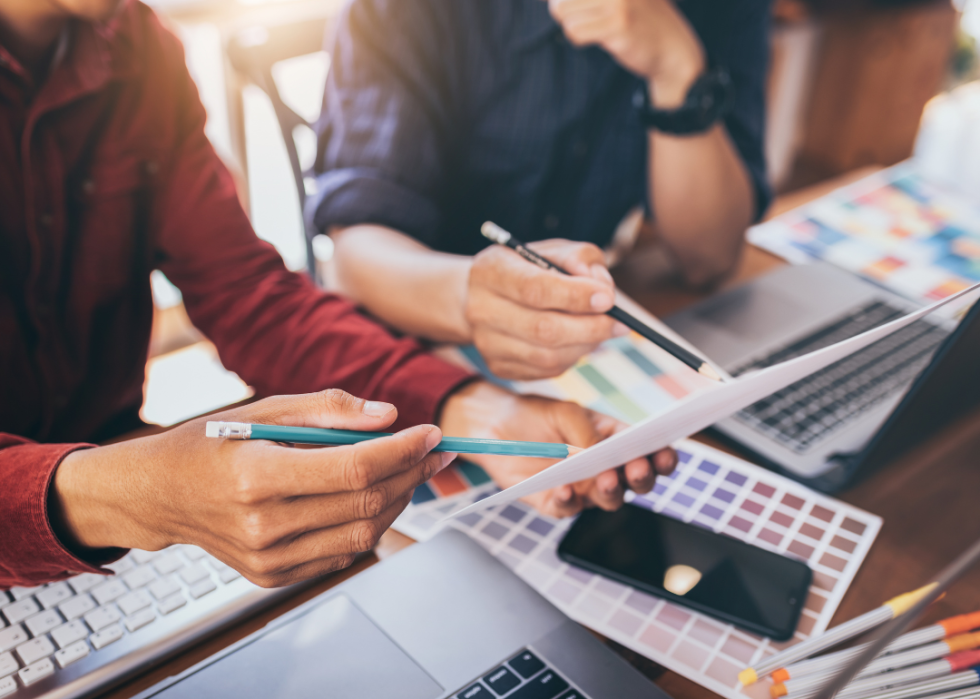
(334, 651)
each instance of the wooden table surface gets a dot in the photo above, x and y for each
(929, 499)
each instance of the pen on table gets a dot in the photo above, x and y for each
(876, 684)
(952, 626)
(498, 235)
(886, 663)
(849, 629)
(317, 435)
(959, 685)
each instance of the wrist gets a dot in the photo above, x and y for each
(75, 512)
(89, 502)
(670, 84)
(473, 408)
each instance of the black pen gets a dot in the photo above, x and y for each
(501, 237)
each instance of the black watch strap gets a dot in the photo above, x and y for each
(710, 99)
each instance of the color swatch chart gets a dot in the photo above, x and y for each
(710, 489)
(626, 377)
(893, 228)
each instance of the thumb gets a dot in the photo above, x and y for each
(332, 408)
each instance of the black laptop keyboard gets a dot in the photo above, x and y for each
(525, 676)
(813, 408)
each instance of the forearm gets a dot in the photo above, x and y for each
(404, 283)
(702, 198)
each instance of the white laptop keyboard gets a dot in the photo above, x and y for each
(77, 637)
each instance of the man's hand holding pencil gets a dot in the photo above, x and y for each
(279, 514)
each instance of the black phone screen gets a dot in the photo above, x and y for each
(755, 589)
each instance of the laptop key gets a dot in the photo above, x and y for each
(573, 694)
(71, 653)
(35, 649)
(38, 671)
(501, 680)
(54, 594)
(69, 633)
(13, 636)
(547, 685)
(475, 691)
(18, 611)
(8, 665)
(526, 664)
(102, 617)
(77, 606)
(8, 685)
(42, 623)
(109, 634)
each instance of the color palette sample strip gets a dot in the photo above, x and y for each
(894, 228)
(710, 489)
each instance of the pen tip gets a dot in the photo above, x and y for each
(707, 370)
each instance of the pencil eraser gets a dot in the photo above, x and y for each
(777, 690)
(780, 675)
(747, 677)
(211, 429)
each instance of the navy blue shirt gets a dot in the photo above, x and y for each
(442, 114)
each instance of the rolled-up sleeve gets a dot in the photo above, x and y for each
(736, 36)
(30, 551)
(388, 124)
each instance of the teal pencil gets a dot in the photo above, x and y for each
(316, 435)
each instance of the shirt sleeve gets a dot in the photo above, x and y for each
(30, 551)
(387, 124)
(273, 327)
(736, 35)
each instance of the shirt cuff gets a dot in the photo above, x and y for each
(420, 386)
(353, 196)
(30, 551)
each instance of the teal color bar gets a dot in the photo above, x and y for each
(459, 445)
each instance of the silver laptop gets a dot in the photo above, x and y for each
(848, 419)
(78, 637)
(440, 619)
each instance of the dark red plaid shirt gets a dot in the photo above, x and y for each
(105, 175)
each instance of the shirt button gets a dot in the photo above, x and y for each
(551, 222)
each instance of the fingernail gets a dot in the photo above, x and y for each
(447, 458)
(601, 301)
(602, 274)
(376, 408)
(432, 439)
(620, 330)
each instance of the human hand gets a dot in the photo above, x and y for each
(274, 513)
(532, 323)
(485, 411)
(650, 38)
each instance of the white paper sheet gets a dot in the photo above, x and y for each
(696, 412)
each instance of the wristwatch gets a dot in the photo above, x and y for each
(710, 98)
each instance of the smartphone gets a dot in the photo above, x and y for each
(728, 579)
